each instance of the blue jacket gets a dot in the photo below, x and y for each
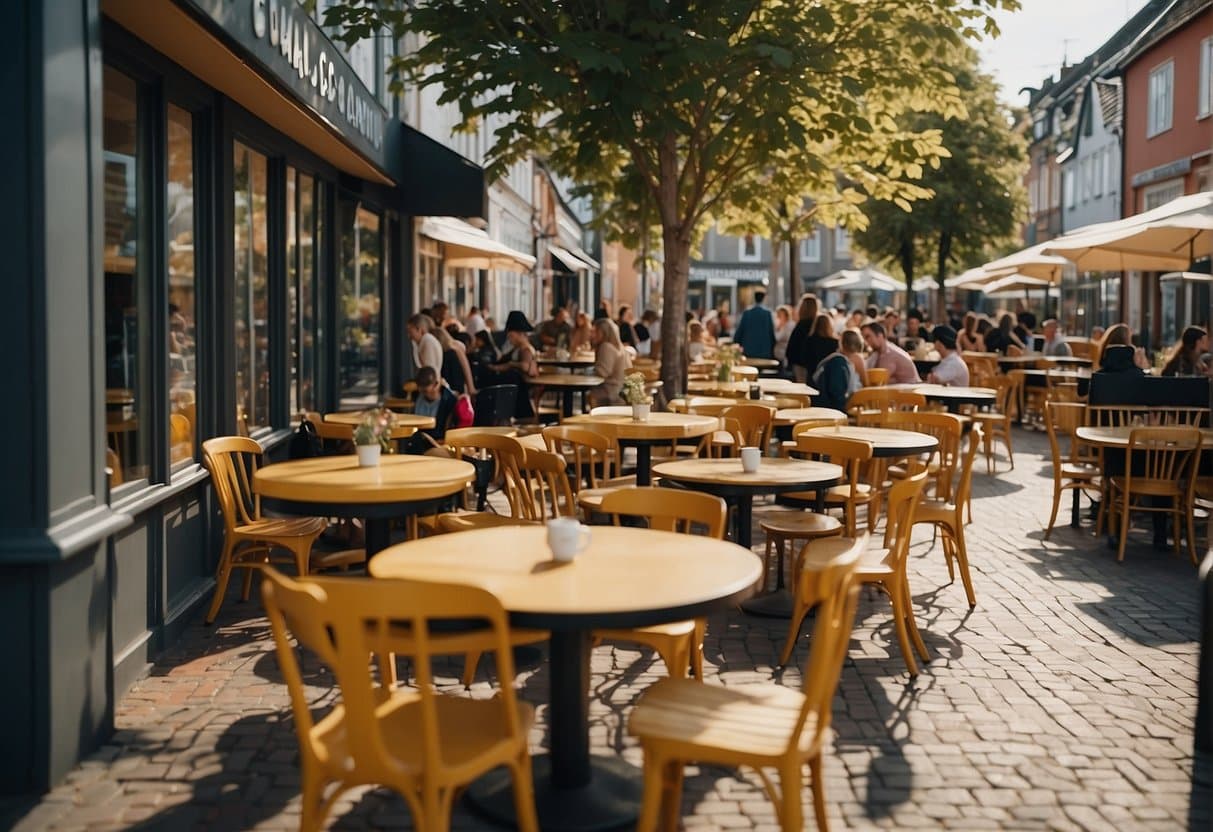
(756, 332)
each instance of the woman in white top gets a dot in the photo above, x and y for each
(695, 342)
(611, 361)
(783, 331)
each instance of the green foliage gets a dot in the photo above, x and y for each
(676, 113)
(977, 200)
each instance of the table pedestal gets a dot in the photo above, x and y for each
(644, 464)
(574, 792)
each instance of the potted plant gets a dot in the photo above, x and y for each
(635, 394)
(727, 355)
(373, 435)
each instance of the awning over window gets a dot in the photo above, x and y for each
(469, 247)
(572, 261)
(436, 180)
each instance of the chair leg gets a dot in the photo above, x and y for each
(988, 442)
(791, 783)
(1053, 515)
(897, 599)
(247, 585)
(799, 610)
(1124, 529)
(672, 797)
(524, 794)
(701, 626)
(470, 662)
(962, 559)
(912, 624)
(1007, 438)
(766, 562)
(819, 793)
(315, 807)
(654, 790)
(225, 573)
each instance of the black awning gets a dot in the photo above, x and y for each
(434, 180)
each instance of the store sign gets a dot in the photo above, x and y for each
(290, 46)
(712, 273)
(1177, 168)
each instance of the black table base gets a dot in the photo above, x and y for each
(610, 800)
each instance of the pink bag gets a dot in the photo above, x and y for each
(464, 414)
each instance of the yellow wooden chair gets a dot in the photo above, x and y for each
(744, 425)
(250, 541)
(997, 422)
(680, 644)
(854, 455)
(948, 517)
(422, 744)
(760, 726)
(868, 405)
(1166, 458)
(789, 446)
(508, 456)
(944, 461)
(884, 568)
(1071, 470)
(877, 376)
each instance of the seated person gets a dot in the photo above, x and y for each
(433, 399)
(836, 377)
(951, 368)
(1117, 354)
(611, 362)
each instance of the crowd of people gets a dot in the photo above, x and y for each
(830, 348)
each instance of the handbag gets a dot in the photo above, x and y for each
(464, 414)
(306, 443)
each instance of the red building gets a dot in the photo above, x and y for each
(1168, 142)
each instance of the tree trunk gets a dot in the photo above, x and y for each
(676, 248)
(905, 255)
(793, 275)
(941, 264)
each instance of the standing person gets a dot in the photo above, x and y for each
(475, 321)
(611, 362)
(1187, 357)
(756, 329)
(836, 377)
(888, 356)
(783, 333)
(806, 317)
(627, 334)
(951, 368)
(1055, 341)
(456, 370)
(427, 352)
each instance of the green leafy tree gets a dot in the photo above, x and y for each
(977, 200)
(690, 108)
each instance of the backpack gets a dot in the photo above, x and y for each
(306, 443)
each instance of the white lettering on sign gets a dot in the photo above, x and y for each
(288, 30)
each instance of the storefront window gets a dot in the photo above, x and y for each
(182, 322)
(251, 302)
(301, 287)
(126, 378)
(358, 308)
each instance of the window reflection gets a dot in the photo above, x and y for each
(182, 332)
(251, 302)
(125, 363)
(301, 288)
(359, 310)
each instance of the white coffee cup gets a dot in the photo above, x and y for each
(567, 538)
(751, 458)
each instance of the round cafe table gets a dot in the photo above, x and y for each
(886, 442)
(568, 383)
(725, 478)
(761, 363)
(952, 397)
(404, 425)
(794, 415)
(337, 486)
(683, 577)
(658, 429)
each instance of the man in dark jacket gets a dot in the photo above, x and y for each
(756, 329)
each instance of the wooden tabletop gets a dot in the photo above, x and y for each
(761, 363)
(567, 380)
(579, 360)
(744, 371)
(682, 575)
(771, 472)
(792, 415)
(659, 425)
(409, 420)
(771, 386)
(397, 478)
(885, 441)
(942, 391)
(1081, 373)
(1118, 437)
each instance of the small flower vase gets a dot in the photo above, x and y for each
(640, 412)
(724, 372)
(368, 455)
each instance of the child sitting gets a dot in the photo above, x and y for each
(433, 399)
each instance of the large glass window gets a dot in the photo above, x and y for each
(182, 296)
(810, 248)
(1204, 104)
(358, 308)
(301, 287)
(251, 302)
(126, 376)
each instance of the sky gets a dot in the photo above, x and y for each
(1036, 38)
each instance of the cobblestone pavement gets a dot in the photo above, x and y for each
(1065, 700)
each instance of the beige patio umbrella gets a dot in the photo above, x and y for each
(1031, 262)
(1167, 238)
(1009, 283)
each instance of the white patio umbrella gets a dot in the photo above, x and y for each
(867, 279)
(1031, 261)
(926, 283)
(1010, 283)
(973, 276)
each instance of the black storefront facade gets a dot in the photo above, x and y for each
(209, 229)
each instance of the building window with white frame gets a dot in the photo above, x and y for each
(1204, 106)
(1068, 178)
(842, 242)
(810, 247)
(1161, 194)
(1161, 90)
(1097, 174)
(748, 249)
